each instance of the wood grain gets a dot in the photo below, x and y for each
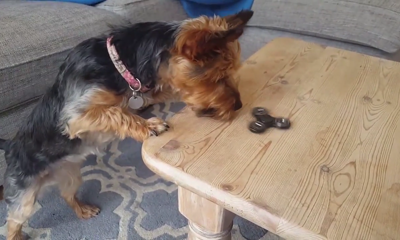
(333, 175)
(207, 220)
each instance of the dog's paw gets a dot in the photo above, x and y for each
(85, 211)
(156, 126)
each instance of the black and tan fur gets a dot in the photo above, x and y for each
(86, 108)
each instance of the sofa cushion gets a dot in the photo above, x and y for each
(35, 38)
(369, 22)
(146, 10)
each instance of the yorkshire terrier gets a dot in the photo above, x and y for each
(88, 105)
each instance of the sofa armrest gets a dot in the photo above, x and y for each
(146, 10)
(371, 23)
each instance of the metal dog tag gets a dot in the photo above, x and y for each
(136, 101)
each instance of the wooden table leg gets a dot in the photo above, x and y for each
(207, 220)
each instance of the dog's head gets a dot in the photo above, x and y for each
(204, 60)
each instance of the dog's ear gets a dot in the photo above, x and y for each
(239, 20)
(236, 24)
(200, 43)
(201, 38)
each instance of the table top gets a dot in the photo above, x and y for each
(333, 175)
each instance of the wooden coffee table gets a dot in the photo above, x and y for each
(334, 175)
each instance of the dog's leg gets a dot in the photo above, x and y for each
(118, 121)
(107, 113)
(69, 178)
(21, 205)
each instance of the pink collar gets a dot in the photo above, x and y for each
(134, 83)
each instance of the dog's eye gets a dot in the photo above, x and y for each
(208, 111)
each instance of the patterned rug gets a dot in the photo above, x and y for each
(135, 203)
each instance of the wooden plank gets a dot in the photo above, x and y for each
(207, 220)
(333, 175)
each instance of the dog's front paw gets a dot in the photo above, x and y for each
(156, 126)
(85, 211)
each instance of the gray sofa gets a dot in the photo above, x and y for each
(36, 36)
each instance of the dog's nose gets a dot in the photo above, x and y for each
(238, 105)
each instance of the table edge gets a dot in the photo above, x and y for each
(265, 219)
(209, 192)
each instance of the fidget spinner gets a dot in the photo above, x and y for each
(265, 121)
